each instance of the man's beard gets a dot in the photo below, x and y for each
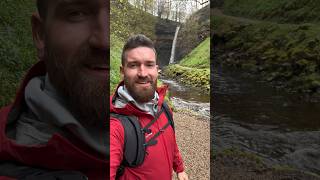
(141, 95)
(86, 97)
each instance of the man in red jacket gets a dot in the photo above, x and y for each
(139, 96)
(57, 125)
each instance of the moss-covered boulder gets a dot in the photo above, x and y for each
(190, 76)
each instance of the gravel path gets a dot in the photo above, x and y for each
(193, 138)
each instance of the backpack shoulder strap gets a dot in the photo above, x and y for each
(166, 108)
(134, 140)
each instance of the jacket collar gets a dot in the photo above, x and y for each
(39, 69)
(131, 109)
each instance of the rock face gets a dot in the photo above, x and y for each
(165, 30)
(193, 32)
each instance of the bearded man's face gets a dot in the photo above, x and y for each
(76, 53)
(140, 73)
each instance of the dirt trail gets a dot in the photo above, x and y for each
(193, 138)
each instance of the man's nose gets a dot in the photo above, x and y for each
(100, 32)
(142, 72)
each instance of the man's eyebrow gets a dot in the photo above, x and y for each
(63, 3)
(71, 1)
(132, 62)
(150, 61)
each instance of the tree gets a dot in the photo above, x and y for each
(161, 7)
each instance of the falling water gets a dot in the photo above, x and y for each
(174, 45)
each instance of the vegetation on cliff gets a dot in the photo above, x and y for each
(17, 52)
(195, 30)
(194, 69)
(198, 57)
(115, 61)
(286, 54)
(126, 20)
(285, 11)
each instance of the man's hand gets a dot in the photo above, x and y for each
(182, 176)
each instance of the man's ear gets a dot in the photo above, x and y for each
(38, 31)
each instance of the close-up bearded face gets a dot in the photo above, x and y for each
(85, 92)
(73, 41)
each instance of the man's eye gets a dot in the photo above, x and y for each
(132, 65)
(76, 15)
(150, 65)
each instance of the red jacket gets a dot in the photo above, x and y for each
(58, 153)
(160, 159)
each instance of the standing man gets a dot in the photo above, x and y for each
(138, 96)
(57, 125)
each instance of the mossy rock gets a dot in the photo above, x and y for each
(190, 76)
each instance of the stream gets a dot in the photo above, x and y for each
(188, 98)
(281, 128)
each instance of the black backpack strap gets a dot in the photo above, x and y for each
(146, 128)
(120, 171)
(133, 137)
(166, 108)
(152, 140)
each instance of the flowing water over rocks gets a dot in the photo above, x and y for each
(188, 98)
(252, 116)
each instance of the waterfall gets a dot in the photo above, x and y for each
(174, 45)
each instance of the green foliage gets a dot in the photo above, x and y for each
(17, 53)
(199, 57)
(127, 20)
(115, 61)
(294, 11)
(286, 53)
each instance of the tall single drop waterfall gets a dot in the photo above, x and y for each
(174, 45)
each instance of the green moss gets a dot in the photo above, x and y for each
(237, 153)
(296, 11)
(190, 76)
(286, 53)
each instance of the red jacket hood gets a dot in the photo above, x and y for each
(58, 153)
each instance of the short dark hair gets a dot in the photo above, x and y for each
(135, 41)
(42, 8)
